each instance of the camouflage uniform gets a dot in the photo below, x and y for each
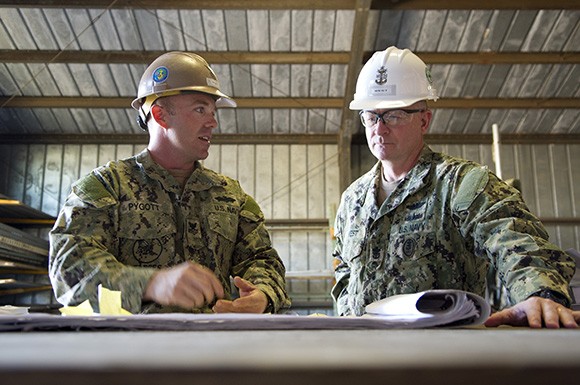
(444, 225)
(129, 218)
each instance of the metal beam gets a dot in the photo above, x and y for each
(470, 5)
(490, 58)
(184, 4)
(144, 139)
(487, 139)
(145, 57)
(246, 57)
(506, 103)
(285, 139)
(296, 4)
(125, 102)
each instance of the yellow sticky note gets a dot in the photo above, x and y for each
(110, 302)
(84, 308)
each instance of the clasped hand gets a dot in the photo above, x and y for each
(191, 285)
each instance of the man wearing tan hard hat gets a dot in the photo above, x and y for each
(168, 233)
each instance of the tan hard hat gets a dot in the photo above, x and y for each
(176, 72)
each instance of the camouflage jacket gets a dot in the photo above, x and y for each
(127, 219)
(443, 227)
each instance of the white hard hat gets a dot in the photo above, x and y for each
(393, 78)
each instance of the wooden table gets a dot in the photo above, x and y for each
(468, 356)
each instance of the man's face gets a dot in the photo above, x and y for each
(397, 136)
(190, 120)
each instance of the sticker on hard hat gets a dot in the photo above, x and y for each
(160, 74)
(213, 83)
(390, 89)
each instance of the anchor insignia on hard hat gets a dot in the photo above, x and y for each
(381, 75)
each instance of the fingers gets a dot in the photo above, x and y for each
(199, 279)
(495, 320)
(252, 300)
(576, 316)
(567, 317)
(186, 297)
(240, 305)
(555, 315)
(510, 316)
(551, 315)
(224, 306)
(536, 312)
(244, 286)
(197, 286)
(191, 285)
(188, 285)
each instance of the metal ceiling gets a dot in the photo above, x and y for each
(69, 69)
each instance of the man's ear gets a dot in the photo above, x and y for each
(426, 120)
(158, 114)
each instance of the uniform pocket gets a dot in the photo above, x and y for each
(224, 224)
(419, 262)
(146, 238)
(353, 246)
(415, 245)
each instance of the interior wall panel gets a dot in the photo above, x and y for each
(52, 178)
(4, 168)
(299, 182)
(71, 161)
(17, 172)
(280, 203)
(289, 182)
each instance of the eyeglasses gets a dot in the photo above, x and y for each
(391, 117)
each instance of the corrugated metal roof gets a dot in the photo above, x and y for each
(293, 70)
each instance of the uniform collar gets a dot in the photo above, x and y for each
(201, 178)
(415, 180)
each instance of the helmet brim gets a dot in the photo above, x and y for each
(379, 104)
(221, 100)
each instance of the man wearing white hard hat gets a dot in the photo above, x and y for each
(421, 220)
(166, 232)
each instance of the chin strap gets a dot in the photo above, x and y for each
(142, 119)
